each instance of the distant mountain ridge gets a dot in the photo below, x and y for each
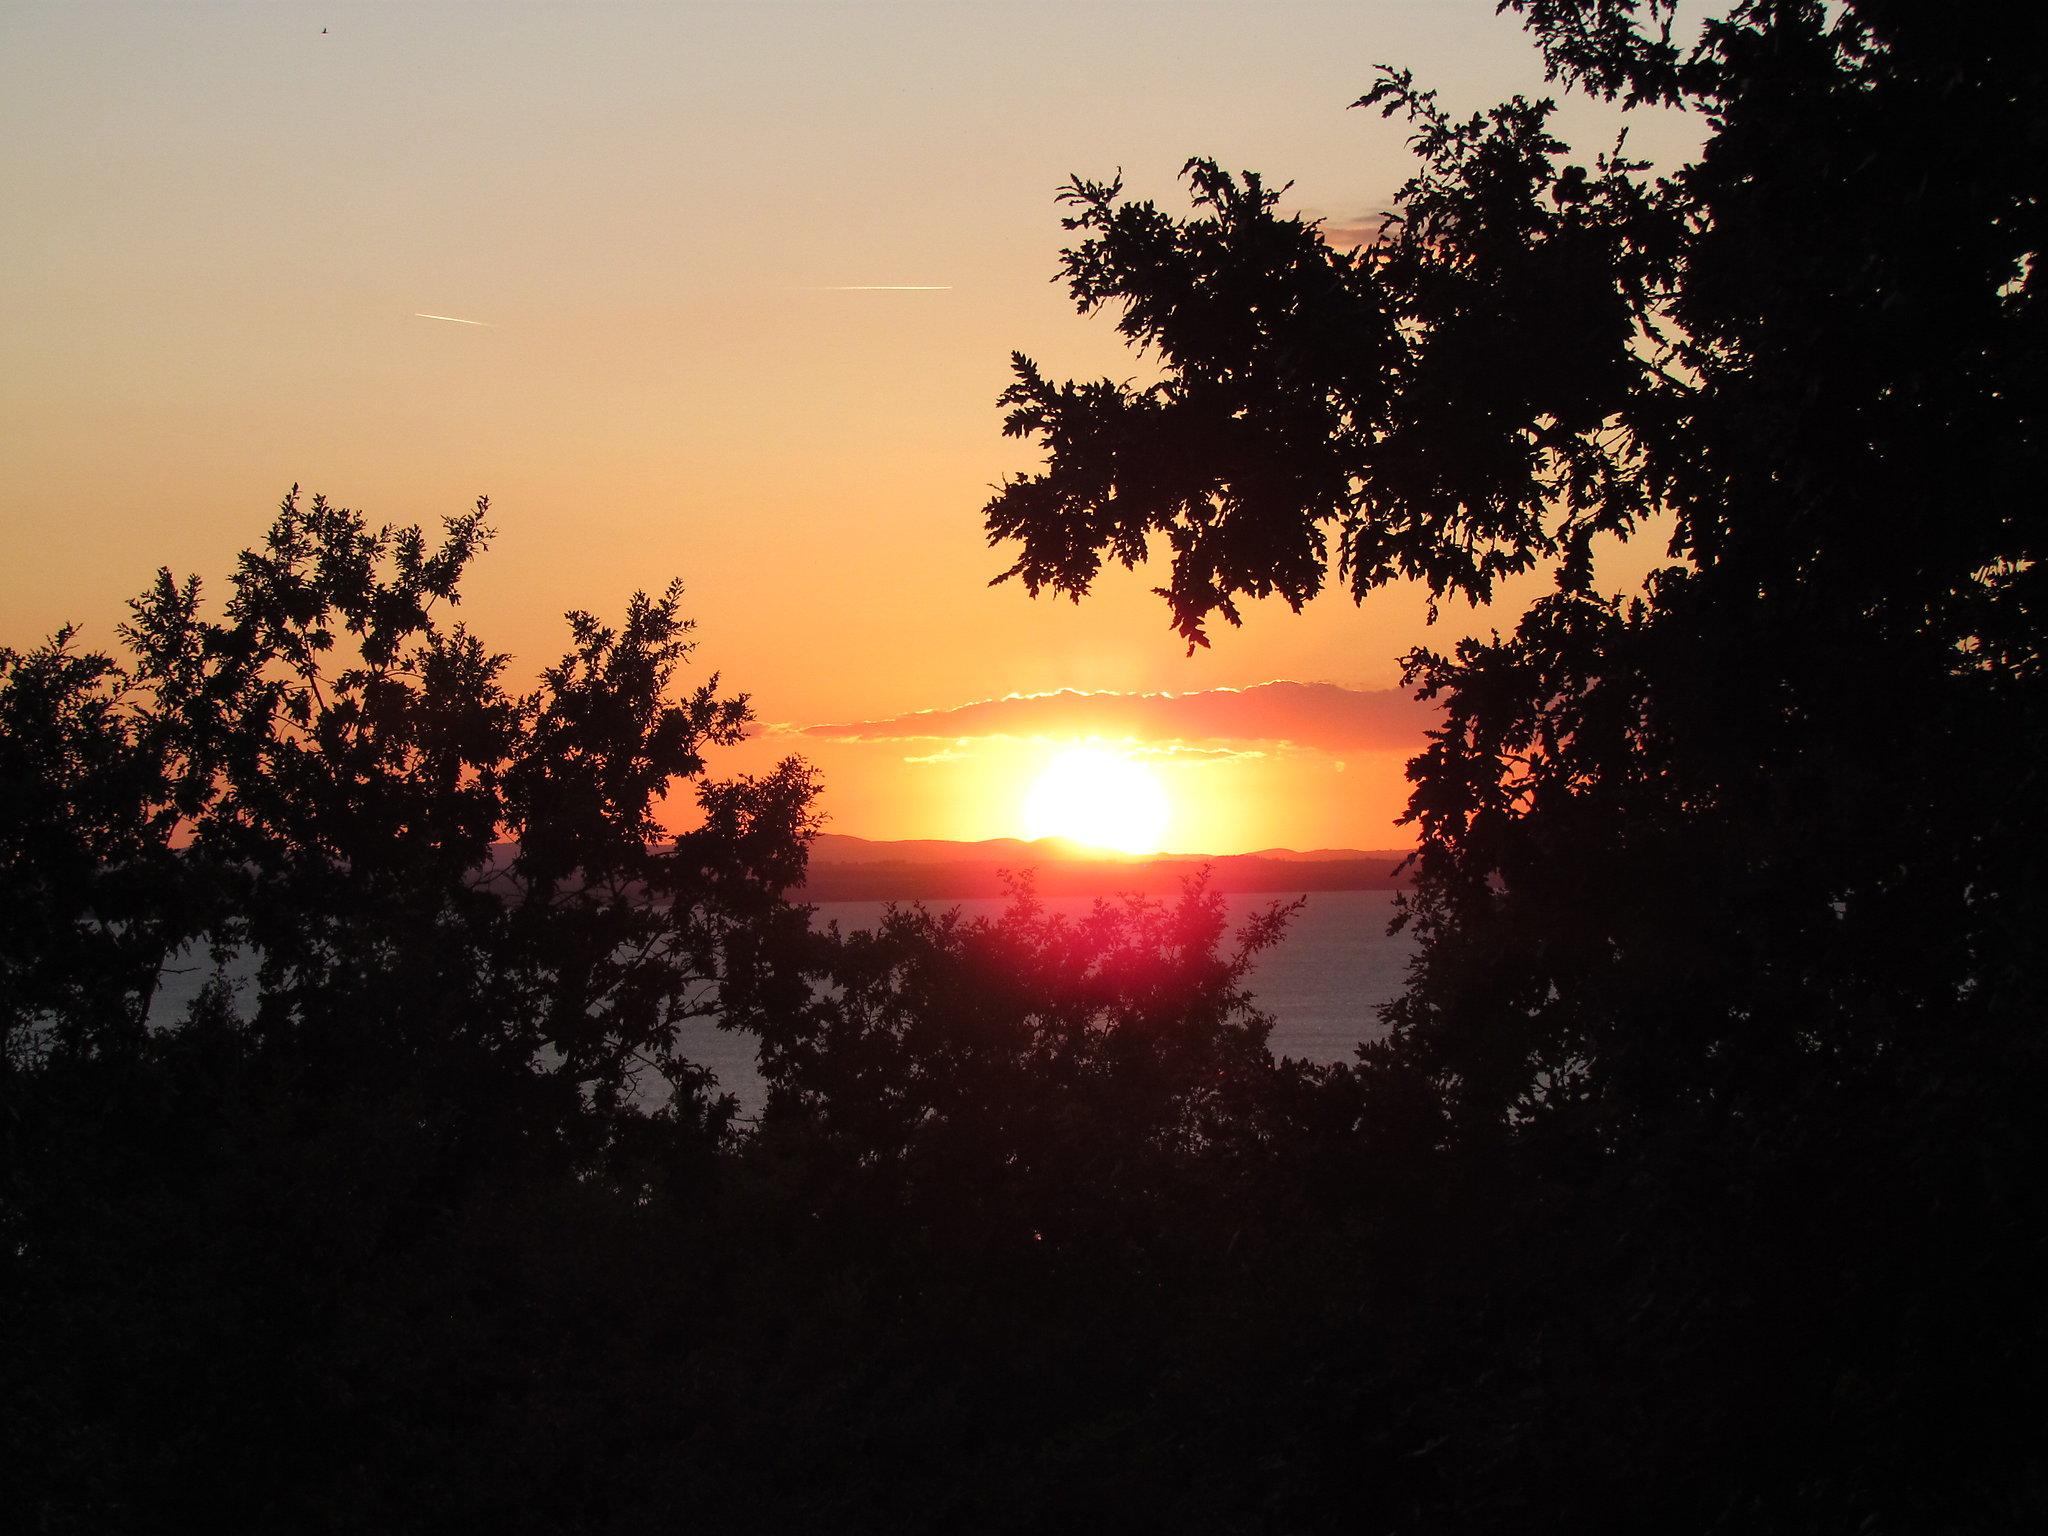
(845, 868)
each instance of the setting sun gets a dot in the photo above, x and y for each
(1098, 796)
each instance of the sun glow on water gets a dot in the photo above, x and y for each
(1101, 797)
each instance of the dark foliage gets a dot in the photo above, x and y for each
(352, 1176)
(355, 1179)
(267, 1232)
(1734, 886)
(1799, 772)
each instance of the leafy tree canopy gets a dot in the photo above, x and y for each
(1780, 810)
(330, 785)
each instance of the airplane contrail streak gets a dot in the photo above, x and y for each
(420, 314)
(879, 288)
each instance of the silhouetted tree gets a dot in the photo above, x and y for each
(332, 785)
(1033, 1064)
(1779, 814)
(319, 1237)
(355, 1174)
(1724, 1040)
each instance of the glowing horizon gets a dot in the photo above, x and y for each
(207, 306)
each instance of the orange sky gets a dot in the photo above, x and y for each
(223, 229)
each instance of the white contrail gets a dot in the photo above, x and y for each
(879, 288)
(420, 314)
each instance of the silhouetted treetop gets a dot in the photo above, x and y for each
(1538, 350)
(1672, 844)
(331, 784)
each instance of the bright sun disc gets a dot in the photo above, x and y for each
(1099, 797)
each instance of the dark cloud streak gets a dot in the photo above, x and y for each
(1319, 716)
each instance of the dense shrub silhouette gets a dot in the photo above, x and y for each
(355, 1176)
(279, 1252)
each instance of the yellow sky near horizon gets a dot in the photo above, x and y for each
(748, 275)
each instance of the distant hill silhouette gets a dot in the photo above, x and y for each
(847, 868)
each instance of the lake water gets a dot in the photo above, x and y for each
(1322, 983)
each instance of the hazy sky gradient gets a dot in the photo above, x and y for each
(746, 280)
